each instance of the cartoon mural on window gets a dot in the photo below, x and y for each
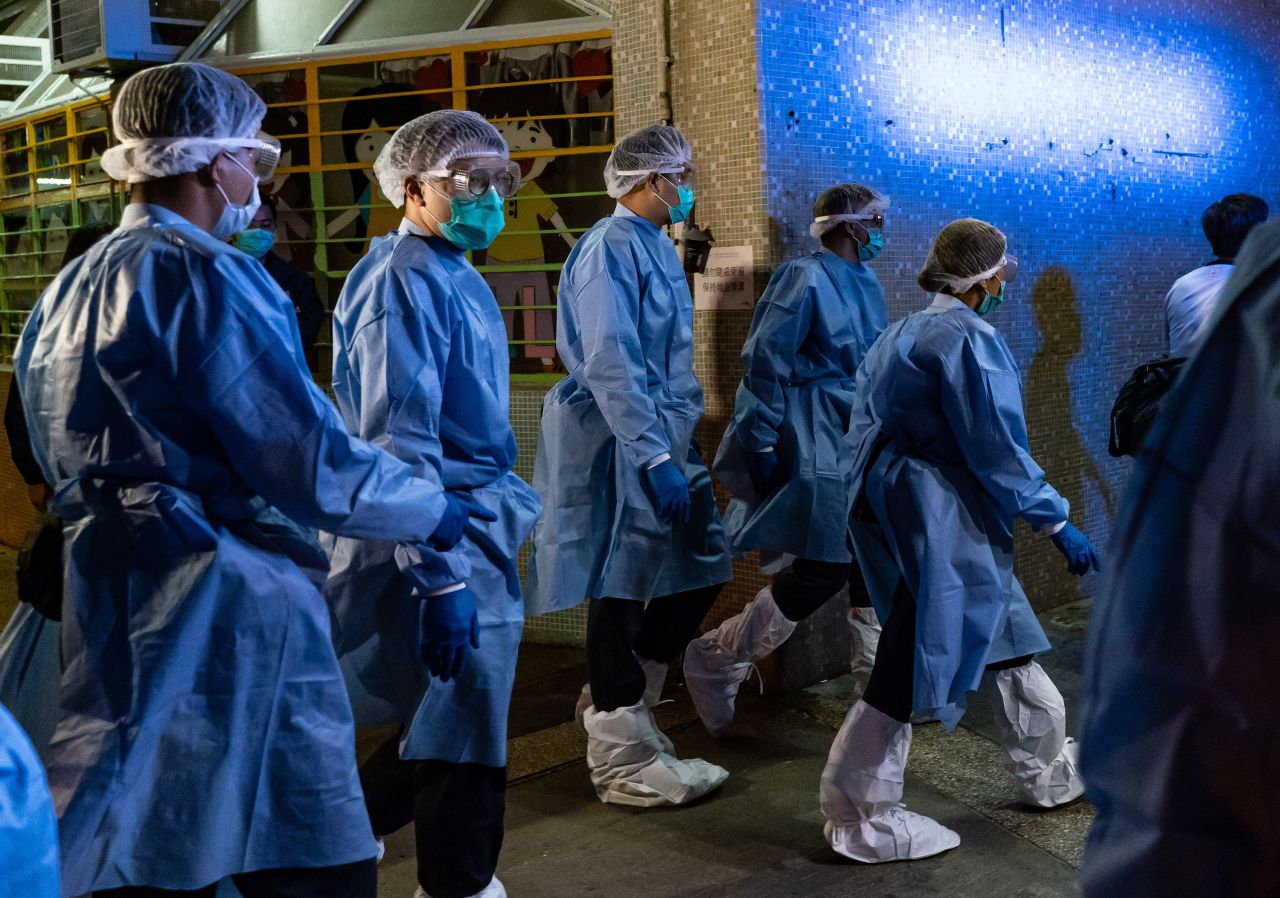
(518, 113)
(368, 121)
(535, 100)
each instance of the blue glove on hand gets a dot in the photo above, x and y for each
(458, 508)
(1077, 549)
(448, 630)
(671, 491)
(764, 470)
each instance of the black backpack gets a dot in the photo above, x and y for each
(1139, 402)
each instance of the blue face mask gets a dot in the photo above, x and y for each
(255, 242)
(680, 211)
(474, 224)
(875, 243)
(235, 217)
(991, 302)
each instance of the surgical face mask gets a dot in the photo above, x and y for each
(256, 242)
(871, 249)
(680, 211)
(235, 217)
(991, 302)
(473, 224)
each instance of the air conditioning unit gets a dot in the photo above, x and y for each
(120, 35)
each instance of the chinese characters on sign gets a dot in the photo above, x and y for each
(728, 282)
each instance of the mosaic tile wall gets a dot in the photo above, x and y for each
(716, 106)
(1093, 133)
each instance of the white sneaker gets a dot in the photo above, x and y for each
(861, 794)
(494, 889)
(631, 762)
(717, 663)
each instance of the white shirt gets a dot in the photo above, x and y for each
(1190, 304)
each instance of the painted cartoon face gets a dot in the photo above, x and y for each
(369, 145)
(523, 137)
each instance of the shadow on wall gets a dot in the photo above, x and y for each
(1055, 442)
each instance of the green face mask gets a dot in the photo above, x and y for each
(991, 302)
(474, 224)
(256, 242)
(871, 249)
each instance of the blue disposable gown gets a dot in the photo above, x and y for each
(625, 332)
(813, 325)
(205, 727)
(28, 830)
(420, 367)
(940, 397)
(1180, 725)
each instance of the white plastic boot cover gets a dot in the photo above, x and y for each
(864, 638)
(716, 663)
(1032, 718)
(630, 765)
(494, 889)
(655, 677)
(861, 793)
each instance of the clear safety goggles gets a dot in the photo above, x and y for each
(476, 180)
(684, 176)
(867, 220)
(264, 152)
(1009, 268)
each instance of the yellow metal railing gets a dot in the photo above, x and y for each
(44, 188)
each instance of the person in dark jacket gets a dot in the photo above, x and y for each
(257, 241)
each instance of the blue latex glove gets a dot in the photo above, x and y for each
(764, 471)
(448, 631)
(1077, 549)
(458, 508)
(671, 491)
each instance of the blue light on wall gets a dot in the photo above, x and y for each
(1092, 132)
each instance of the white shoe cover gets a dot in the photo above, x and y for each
(631, 763)
(864, 638)
(382, 849)
(717, 663)
(1032, 718)
(861, 794)
(494, 889)
(655, 677)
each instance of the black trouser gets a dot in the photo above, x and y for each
(358, 880)
(807, 585)
(620, 629)
(891, 687)
(456, 809)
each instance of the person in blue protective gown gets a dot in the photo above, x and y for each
(205, 728)
(941, 469)
(420, 367)
(784, 456)
(1180, 707)
(28, 829)
(631, 521)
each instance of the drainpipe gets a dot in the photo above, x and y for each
(664, 68)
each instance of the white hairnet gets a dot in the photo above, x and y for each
(657, 148)
(845, 202)
(434, 141)
(964, 252)
(172, 119)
